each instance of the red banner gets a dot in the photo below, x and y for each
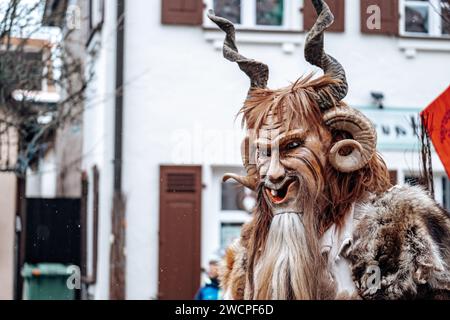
(436, 118)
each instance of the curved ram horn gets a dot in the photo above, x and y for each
(258, 72)
(315, 54)
(251, 180)
(364, 140)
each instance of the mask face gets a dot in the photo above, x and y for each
(290, 164)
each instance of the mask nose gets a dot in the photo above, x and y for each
(276, 172)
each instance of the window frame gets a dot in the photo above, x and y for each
(225, 216)
(292, 16)
(434, 19)
(96, 9)
(239, 224)
(446, 193)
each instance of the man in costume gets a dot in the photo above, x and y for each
(328, 224)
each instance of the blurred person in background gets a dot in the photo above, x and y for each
(211, 290)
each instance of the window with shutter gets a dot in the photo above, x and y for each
(261, 15)
(387, 11)
(179, 231)
(182, 12)
(336, 6)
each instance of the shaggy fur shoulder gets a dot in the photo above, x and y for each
(401, 247)
(400, 250)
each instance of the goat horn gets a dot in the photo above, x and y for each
(315, 54)
(251, 180)
(363, 143)
(258, 72)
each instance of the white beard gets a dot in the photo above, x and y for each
(287, 269)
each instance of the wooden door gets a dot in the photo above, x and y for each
(179, 232)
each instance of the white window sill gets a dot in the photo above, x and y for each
(411, 46)
(287, 39)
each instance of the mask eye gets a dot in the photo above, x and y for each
(293, 145)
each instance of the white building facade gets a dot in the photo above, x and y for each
(180, 99)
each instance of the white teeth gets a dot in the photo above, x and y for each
(274, 193)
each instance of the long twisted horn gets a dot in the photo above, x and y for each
(364, 135)
(258, 72)
(315, 54)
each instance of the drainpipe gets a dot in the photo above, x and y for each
(117, 255)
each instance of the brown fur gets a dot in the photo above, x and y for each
(297, 101)
(403, 231)
(407, 235)
(408, 238)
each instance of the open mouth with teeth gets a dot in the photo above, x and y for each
(279, 196)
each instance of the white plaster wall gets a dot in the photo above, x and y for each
(98, 132)
(180, 91)
(7, 234)
(41, 182)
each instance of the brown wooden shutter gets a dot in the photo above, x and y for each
(336, 6)
(389, 16)
(179, 232)
(188, 12)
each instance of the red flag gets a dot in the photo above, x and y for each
(436, 118)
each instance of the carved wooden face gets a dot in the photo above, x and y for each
(290, 163)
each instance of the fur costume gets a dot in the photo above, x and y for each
(328, 224)
(403, 232)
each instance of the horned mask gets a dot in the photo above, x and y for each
(347, 155)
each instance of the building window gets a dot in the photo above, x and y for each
(229, 9)
(425, 18)
(445, 17)
(235, 197)
(259, 14)
(412, 181)
(96, 14)
(228, 233)
(269, 12)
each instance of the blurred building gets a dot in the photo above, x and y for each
(159, 125)
(31, 54)
(53, 170)
(57, 173)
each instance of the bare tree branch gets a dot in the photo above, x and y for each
(30, 69)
